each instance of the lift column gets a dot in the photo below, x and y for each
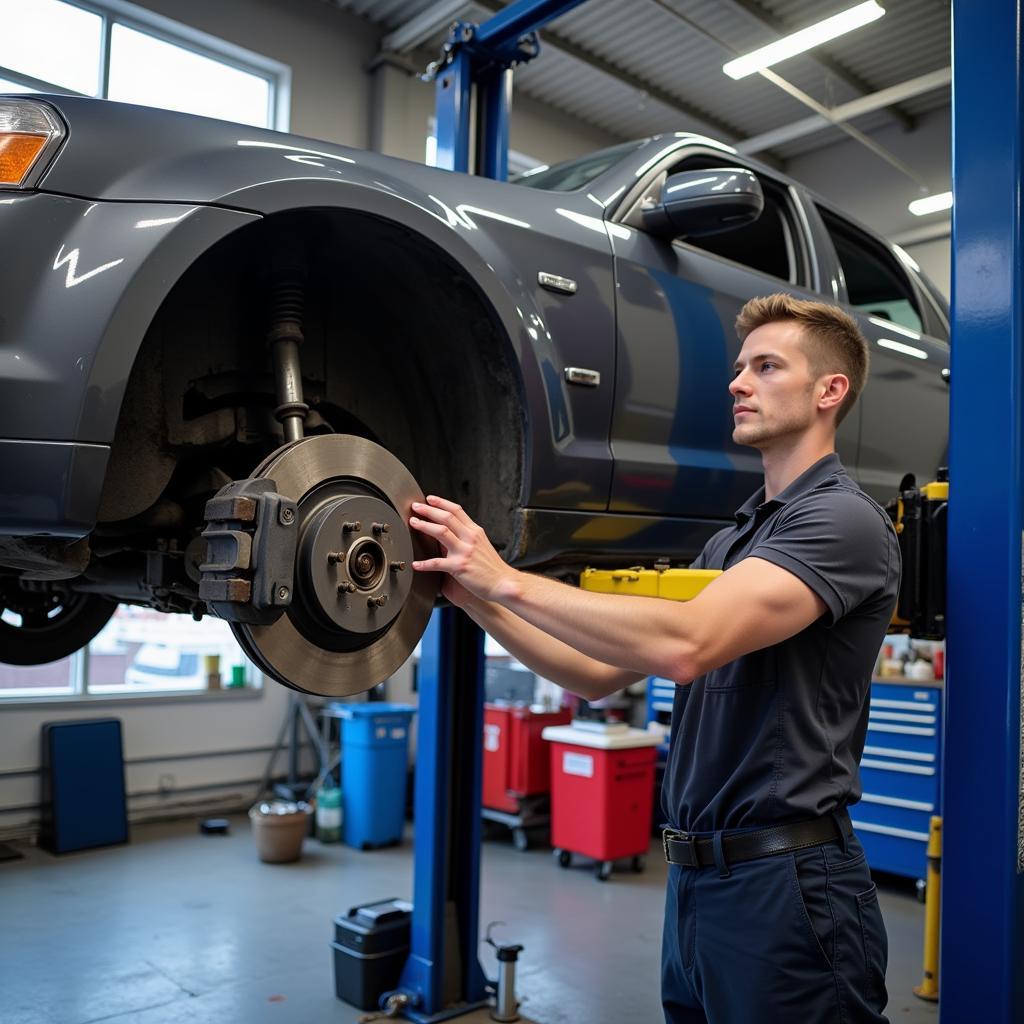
(442, 977)
(982, 940)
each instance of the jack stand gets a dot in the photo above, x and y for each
(297, 716)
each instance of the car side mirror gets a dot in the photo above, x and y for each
(696, 203)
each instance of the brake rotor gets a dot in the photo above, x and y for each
(358, 607)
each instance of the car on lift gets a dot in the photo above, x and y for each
(188, 302)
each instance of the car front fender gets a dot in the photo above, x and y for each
(80, 288)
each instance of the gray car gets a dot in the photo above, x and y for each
(187, 303)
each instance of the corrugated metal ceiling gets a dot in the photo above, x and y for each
(638, 67)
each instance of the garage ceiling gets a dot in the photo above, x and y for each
(646, 66)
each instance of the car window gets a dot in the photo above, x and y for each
(875, 282)
(770, 243)
(574, 174)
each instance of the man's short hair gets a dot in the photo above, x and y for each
(834, 342)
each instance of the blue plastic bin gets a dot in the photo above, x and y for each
(375, 758)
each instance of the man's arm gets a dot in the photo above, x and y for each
(549, 657)
(753, 605)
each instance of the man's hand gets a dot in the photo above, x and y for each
(469, 557)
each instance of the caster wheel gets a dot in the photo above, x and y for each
(564, 858)
(604, 871)
(637, 863)
(921, 888)
(520, 839)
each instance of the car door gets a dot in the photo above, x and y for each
(676, 306)
(905, 404)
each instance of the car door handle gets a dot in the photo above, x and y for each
(945, 374)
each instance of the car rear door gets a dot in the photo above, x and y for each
(905, 404)
(676, 306)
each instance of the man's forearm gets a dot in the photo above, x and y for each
(643, 635)
(548, 656)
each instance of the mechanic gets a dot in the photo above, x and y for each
(771, 914)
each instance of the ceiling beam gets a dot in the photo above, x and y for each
(727, 131)
(773, 23)
(420, 29)
(847, 111)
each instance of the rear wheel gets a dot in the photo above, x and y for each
(37, 627)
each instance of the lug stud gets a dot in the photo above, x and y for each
(352, 527)
(381, 528)
(346, 587)
(334, 557)
(377, 602)
(397, 566)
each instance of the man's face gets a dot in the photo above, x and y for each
(773, 390)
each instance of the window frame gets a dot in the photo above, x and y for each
(175, 33)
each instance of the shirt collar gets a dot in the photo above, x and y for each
(810, 478)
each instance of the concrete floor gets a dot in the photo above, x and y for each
(181, 928)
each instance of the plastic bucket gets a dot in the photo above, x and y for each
(279, 835)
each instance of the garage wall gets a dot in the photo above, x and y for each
(326, 49)
(404, 104)
(869, 189)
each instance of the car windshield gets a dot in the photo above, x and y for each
(574, 174)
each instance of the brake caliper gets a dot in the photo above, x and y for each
(250, 534)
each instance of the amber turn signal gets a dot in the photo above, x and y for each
(18, 151)
(31, 132)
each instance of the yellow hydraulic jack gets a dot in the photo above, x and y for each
(929, 987)
(671, 584)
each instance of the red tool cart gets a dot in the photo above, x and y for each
(602, 793)
(517, 775)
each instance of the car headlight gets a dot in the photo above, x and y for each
(30, 134)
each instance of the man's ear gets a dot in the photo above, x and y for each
(833, 389)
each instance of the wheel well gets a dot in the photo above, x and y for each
(400, 347)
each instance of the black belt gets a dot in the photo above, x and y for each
(697, 852)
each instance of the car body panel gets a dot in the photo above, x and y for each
(78, 300)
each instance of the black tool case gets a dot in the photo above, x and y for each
(371, 944)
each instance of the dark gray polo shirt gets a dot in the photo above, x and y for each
(776, 735)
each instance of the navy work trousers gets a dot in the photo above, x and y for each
(797, 938)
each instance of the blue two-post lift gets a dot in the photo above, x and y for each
(443, 977)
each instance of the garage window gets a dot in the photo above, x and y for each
(139, 652)
(875, 282)
(118, 51)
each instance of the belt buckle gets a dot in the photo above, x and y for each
(676, 835)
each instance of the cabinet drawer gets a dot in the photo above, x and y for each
(909, 736)
(897, 813)
(927, 699)
(895, 853)
(903, 781)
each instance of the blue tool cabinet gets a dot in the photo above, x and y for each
(901, 773)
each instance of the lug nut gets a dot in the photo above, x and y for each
(377, 602)
(352, 527)
(397, 566)
(334, 557)
(381, 527)
(346, 587)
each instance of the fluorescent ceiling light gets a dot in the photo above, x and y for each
(931, 204)
(805, 39)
